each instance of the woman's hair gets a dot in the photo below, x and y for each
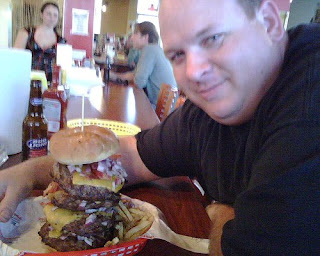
(44, 6)
(250, 6)
(147, 28)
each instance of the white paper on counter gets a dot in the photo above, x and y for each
(81, 79)
(31, 214)
(64, 55)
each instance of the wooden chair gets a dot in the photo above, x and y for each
(166, 99)
(181, 99)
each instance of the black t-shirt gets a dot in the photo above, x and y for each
(264, 168)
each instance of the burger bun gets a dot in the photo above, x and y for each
(72, 146)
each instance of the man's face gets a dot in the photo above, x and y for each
(139, 40)
(220, 57)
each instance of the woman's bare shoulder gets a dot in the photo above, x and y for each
(22, 38)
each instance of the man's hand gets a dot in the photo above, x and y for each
(17, 183)
(219, 214)
(13, 189)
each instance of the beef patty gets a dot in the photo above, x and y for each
(63, 177)
(64, 200)
(72, 242)
(100, 225)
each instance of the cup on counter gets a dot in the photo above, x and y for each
(15, 66)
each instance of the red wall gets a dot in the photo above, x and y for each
(79, 41)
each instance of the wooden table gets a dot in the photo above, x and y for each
(181, 204)
(115, 102)
(176, 197)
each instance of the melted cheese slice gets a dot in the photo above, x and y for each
(82, 180)
(58, 218)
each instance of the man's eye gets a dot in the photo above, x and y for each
(176, 57)
(211, 41)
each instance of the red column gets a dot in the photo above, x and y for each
(83, 42)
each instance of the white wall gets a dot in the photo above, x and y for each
(5, 23)
(301, 11)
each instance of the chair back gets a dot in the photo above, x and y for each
(180, 101)
(166, 99)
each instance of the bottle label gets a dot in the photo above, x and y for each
(52, 112)
(36, 101)
(38, 147)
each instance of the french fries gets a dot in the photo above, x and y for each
(125, 210)
(119, 227)
(133, 223)
(136, 231)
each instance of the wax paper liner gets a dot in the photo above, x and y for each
(22, 230)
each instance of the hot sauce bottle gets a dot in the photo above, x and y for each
(55, 103)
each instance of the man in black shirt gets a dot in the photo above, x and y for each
(249, 131)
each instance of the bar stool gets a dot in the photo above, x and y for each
(181, 99)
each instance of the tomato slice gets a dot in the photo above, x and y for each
(95, 174)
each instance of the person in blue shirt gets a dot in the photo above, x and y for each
(153, 68)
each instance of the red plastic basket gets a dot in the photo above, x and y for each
(123, 249)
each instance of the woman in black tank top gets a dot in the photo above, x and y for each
(42, 40)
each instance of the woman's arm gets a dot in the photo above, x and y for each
(21, 40)
(127, 76)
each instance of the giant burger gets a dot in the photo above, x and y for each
(86, 180)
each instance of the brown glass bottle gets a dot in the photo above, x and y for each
(35, 127)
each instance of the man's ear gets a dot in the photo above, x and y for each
(269, 16)
(146, 36)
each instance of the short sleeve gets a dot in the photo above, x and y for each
(164, 151)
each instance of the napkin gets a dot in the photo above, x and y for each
(160, 230)
(81, 79)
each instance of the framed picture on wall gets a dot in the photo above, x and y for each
(80, 22)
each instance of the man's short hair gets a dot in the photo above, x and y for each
(250, 6)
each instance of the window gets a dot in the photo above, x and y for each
(147, 10)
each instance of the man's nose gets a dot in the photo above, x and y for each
(197, 66)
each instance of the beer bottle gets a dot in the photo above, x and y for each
(35, 127)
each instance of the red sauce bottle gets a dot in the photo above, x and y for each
(55, 104)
